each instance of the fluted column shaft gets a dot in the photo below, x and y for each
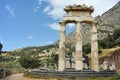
(62, 50)
(78, 55)
(94, 49)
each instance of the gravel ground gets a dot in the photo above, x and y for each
(18, 77)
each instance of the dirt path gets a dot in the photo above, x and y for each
(18, 77)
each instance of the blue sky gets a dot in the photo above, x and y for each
(35, 22)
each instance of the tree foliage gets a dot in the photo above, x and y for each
(54, 58)
(111, 40)
(29, 61)
(87, 48)
(108, 42)
(1, 46)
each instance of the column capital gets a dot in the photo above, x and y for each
(62, 23)
(94, 23)
(62, 27)
(94, 28)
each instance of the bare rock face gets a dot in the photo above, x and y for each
(108, 21)
(112, 16)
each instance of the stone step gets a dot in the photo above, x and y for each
(83, 73)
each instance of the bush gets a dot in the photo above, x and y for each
(111, 40)
(87, 48)
(71, 78)
(29, 61)
(115, 77)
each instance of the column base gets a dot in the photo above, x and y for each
(96, 69)
(78, 65)
(61, 65)
(95, 65)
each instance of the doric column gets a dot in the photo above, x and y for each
(94, 49)
(62, 50)
(78, 54)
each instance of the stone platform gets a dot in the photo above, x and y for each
(70, 73)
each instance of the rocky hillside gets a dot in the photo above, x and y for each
(107, 22)
(40, 50)
(111, 16)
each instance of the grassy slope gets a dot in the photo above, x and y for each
(108, 52)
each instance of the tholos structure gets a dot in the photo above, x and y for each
(78, 14)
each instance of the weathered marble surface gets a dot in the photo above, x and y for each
(78, 14)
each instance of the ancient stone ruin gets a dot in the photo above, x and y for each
(78, 14)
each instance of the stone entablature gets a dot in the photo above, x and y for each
(81, 11)
(72, 19)
(79, 8)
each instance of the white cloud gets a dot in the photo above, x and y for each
(30, 37)
(56, 6)
(49, 42)
(47, 9)
(54, 26)
(56, 13)
(37, 8)
(40, 2)
(10, 10)
(71, 25)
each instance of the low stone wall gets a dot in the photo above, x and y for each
(114, 58)
(4, 73)
(68, 74)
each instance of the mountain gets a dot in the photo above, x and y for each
(107, 22)
(111, 16)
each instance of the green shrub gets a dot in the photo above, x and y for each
(71, 78)
(115, 77)
(111, 40)
(87, 48)
(29, 61)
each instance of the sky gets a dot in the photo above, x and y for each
(26, 23)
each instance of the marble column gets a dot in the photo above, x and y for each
(62, 50)
(94, 49)
(78, 54)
